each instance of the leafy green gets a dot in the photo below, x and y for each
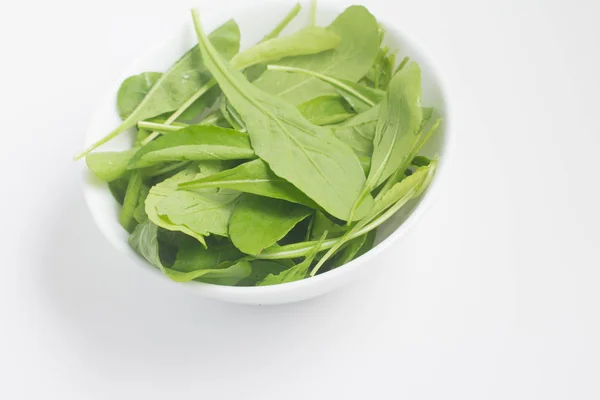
(252, 177)
(196, 213)
(309, 157)
(358, 31)
(360, 97)
(195, 143)
(133, 90)
(260, 270)
(397, 128)
(180, 82)
(109, 165)
(130, 202)
(321, 223)
(145, 242)
(296, 272)
(358, 132)
(140, 210)
(310, 40)
(325, 110)
(259, 222)
(247, 176)
(398, 195)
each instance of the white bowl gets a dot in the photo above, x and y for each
(254, 23)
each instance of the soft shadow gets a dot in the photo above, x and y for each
(112, 312)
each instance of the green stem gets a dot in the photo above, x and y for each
(302, 249)
(402, 64)
(182, 108)
(324, 78)
(313, 12)
(359, 231)
(155, 125)
(281, 26)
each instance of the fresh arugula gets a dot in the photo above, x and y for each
(249, 174)
(310, 157)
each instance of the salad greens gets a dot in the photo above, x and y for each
(272, 164)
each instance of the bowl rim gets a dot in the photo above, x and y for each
(428, 198)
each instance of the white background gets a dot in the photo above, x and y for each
(495, 294)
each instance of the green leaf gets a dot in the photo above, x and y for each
(310, 40)
(118, 187)
(297, 272)
(260, 270)
(130, 202)
(195, 143)
(133, 90)
(398, 195)
(192, 256)
(358, 132)
(325, 110)
(398, 125)
(193, 213)
(259, 222)
(309, 157)
(321, 224)
(360, 97)
(140, 210)
(231, 115)
(358, 31)
(252, 177)
(109, 165)
(397, 130)
(145, 242)
(179, 83)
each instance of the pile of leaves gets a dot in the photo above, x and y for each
(272, 164)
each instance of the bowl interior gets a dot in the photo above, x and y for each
(254, 24)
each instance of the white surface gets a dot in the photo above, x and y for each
(105, 210)
(493, 296)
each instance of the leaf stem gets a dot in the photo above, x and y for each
(313, 12)
(324, 78)
(161, 126)
(302, 249)
(281, 26)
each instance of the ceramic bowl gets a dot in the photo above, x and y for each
(254, 23)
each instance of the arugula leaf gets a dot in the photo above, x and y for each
(145, 242)
(398, 195)
(252, 177)
(109, 165)
(259, 222)
(192, 256)
(130, 202)
(360, 97)
(325, 110)
(195, 143)
(358, 31)
(323, 224)
(309, 157)
(195, 213)
(133, 90)
(397, 128)
(260, 270)
(310, 40)
(295, 273)
(174, 87)
(383, 210)
(358, 132)
(140, 210)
